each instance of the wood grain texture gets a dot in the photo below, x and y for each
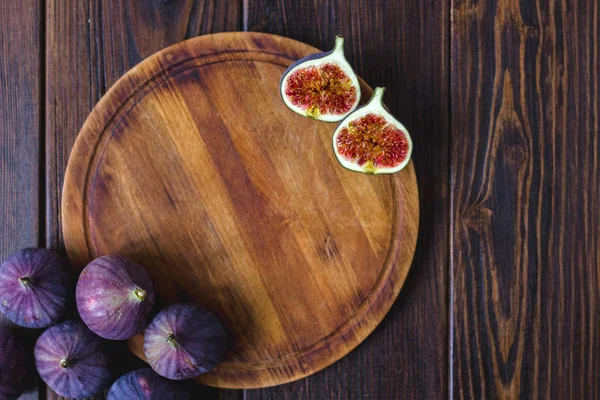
(404, 47)
(526, 223)
(20, 88)
(19, 125)
(90, 44)
(193, 166)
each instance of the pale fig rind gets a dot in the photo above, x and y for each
(334, 56)
(114, 297)
(373, 106)
(13, 365)
(72, 360)
(145, 384)
(34, 287)
(184, 341)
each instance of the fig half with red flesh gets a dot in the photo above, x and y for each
(371, 140)
(321, 86)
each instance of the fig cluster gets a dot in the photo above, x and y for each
(114, 297)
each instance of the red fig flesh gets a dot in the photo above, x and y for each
(321, 86)
(371, 140)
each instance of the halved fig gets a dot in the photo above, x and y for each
(371, 140)
(321, 86)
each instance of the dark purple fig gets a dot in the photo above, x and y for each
(13, 365)
(370, 140)
(114, 297)
(145, 384)
(184, 341)
(34, 288)
(72, 360)
(321, 86)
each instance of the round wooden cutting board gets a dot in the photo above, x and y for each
(192, 165)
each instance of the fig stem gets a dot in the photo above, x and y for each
(64, 363)
(377, 95)
(24, 280)
(171, 339)
(140, 294)
(338, 47)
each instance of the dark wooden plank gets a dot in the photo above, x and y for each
(526, 223)
(403, 46)
(19, 125)
(21, 54)
(90, 45)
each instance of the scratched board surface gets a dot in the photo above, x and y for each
(502, 99)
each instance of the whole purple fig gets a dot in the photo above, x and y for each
(34, 287)
(184, 341)
(72, 360)
(114, 297)
(13, 365)
(145, 384)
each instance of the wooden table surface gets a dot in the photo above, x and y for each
(502, 100)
